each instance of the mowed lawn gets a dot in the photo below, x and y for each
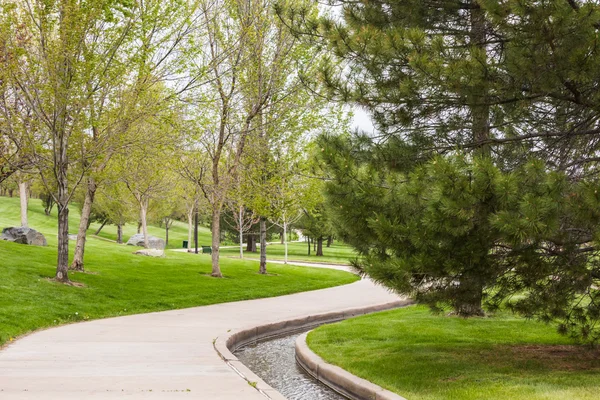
(10, 216)
(425, 357)
(338, 253)
(120, 283)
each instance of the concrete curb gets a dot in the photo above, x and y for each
(225, 345)
(338, 379)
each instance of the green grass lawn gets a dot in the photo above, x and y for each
(120, 283)
(177, 233)
(338, 253)
(9, 216)
(424, 357)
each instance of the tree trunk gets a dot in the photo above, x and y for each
(139, 229)
(196, 230)
(143, 213)
(329, 240)
(62, 266)
(104, 222)
(190, 218)
(241, 226)
(263, 245)
(120, 233)
(308, 240)
(216, 241)
(166, 234)
(24, 203)
(480, 109)
(282, 237)
(320, 246)
(48, 203)
(285, 244)
(470, 298)
(10, 192)
(251, 245)
(61, 165)
(90, 193)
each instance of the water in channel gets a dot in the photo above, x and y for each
(275, 362)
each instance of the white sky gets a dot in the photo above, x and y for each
(362, 120)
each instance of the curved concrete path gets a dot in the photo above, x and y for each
(165, 355)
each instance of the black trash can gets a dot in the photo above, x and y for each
(185, 244)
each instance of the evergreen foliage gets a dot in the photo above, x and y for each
(421, 234)
(480, 183)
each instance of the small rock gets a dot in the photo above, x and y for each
(24, 236)
(150, 253)
(153, 241)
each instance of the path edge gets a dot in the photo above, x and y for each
(226, 344)
(337, 378)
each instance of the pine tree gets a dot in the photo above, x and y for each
(491, 85)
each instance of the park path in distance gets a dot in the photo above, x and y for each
(161, 355)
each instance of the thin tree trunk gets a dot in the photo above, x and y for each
(61, 161)
(77, 264)
(196, 230)
(104, 222)
(166, 234)
(120, 233)
(329, 240)
(216, 241)
(24, 203)
(308, 239)
(251, 243)
(285, 244)
(190, 216)
(48, 202)
(62, 266)
(281, 237)
(480, 108)
(139, 229)
(143, 213)
(320, 246)
(241, 226)
(263, 245)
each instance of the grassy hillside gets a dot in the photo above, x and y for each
(9, 216)
(118, 282)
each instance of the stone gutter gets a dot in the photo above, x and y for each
(227, 344)
(338, 379)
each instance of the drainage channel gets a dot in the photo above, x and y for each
(274, 361)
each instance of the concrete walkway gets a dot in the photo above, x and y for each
(166, 355)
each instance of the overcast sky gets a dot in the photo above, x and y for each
(362, 120)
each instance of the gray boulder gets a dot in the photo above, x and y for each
(153, 241)
(24, 236)
(150, 253)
